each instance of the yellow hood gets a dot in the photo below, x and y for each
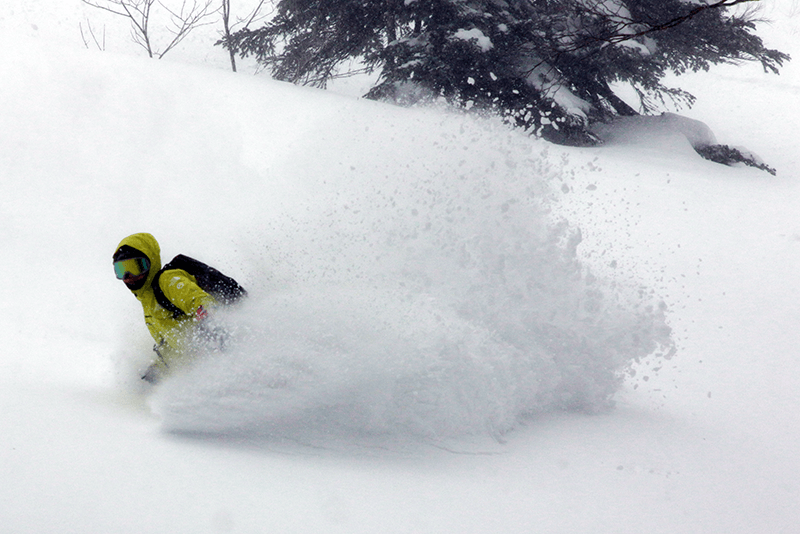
(147, 245)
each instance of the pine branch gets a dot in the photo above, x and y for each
(658, 27)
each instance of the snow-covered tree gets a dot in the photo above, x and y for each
(546, 65)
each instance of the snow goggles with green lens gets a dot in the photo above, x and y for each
(132, 266)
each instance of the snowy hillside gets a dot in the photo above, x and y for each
(452, 327)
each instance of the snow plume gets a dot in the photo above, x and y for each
(442, 305)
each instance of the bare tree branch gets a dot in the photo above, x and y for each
(628, 23)
(184, 21)
(253, 15)
(140, 14)
(100, 45)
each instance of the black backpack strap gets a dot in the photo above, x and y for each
(162, 299)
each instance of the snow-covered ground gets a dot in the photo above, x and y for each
(429, 292)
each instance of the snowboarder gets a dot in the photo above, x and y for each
(176, 307)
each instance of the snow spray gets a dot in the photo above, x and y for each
(433, 304)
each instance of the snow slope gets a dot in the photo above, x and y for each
(420, 309)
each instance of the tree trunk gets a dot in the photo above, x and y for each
(226, 15)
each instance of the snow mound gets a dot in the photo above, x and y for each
(672, 132)
(654, 129)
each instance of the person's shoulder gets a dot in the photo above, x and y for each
(175, 279)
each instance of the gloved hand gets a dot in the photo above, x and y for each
(201, 314)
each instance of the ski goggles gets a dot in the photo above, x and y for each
(132, 266)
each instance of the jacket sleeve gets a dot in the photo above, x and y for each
(182, 290)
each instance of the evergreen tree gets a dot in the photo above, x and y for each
(546, 65)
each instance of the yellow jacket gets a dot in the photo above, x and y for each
(170, 333)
